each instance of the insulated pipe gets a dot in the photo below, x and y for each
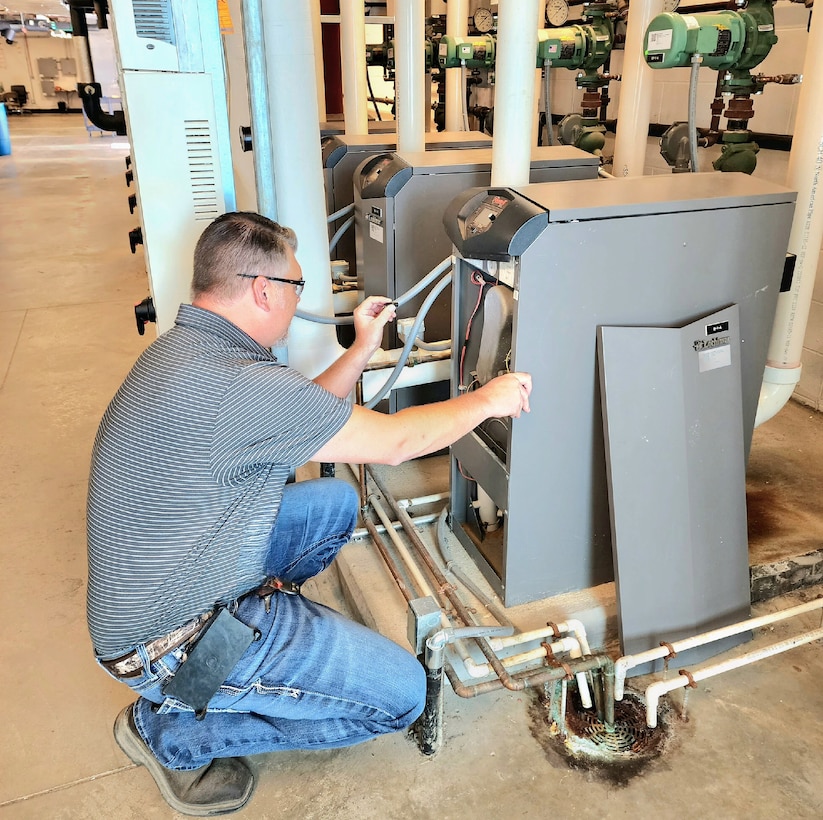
(783, 361)
(457, 16)
(514, 95)
(622, 665)
(298, 173)
(319, 71)
(659, 688)
(634, 107)
(353, 60)
(410, 74)
(252, 13)
(538, 81)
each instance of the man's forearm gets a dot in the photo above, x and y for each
(341, 376)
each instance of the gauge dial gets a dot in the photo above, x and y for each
(483, 20)
(557, 12)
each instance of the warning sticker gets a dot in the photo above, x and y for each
(376, 232)
(714, 357)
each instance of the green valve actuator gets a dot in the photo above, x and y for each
(724, 39)
(578, 46)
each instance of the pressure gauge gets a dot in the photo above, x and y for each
(483, 20)
(557, 12)
(670, 5)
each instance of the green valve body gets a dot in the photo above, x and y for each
(474, 52)
(579, 46)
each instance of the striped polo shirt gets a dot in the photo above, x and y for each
(187, 475)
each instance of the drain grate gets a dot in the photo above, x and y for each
(630, 738)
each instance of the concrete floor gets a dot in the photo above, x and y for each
(750, 748)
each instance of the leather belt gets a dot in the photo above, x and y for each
(130, 665)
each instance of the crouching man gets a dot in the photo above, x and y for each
(198, 546)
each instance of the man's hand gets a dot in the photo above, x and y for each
(370, 317)
(508, 395)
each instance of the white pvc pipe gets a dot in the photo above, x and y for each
(421, 499)
(803, 175)
(319, 71)
(514, 95)
(409, 74)
(659, 688)
(622, 665)
(418, 521)
(570, 645)
(634, 106)
(457, 16)
(353, 65)
(425, 373)
(298, 173)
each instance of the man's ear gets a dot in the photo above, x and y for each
(260, 292)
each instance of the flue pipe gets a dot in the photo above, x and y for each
(353, 61)
(634, 106)
(298, 173)
(409, 74)
(783, 361)
(456, 26)
(514, 95)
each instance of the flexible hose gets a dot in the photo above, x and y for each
(401, 300)
(346, 209)
(415, 329)
(697, 59)
(339, 232)
(433, 347)
(547, 64)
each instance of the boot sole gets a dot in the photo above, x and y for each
(138, 752)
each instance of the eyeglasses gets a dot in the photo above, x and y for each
(299, 284)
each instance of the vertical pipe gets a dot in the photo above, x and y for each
(80, 41)
(252, 12)
(538, 80)
(636, 88)
(353, 58)
(456, 26)
(514, 95)
(319, 72)
(298, 173)
(783, 362)
(409, 37)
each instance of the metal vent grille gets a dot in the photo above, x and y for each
(152, 19)
(200, 155)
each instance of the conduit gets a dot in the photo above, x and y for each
(783, 361)
(685, 678)
(622, 665)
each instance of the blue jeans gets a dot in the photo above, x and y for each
(314, 679)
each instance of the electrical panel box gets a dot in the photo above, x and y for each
(399, 205)
(171, 74)
(546, 266)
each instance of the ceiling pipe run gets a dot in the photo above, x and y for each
(783, 361)
(298, 173)
(456, 26)
(634, 107)
(410, 75)
(514, 96)
(353, 61)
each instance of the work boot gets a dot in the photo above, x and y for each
(219, 787)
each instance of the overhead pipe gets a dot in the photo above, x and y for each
(457, 15)
(783, 360)
(636, 88)
(298, 173)
(627, 662)
(685, 678)
(410, 74)
(252, 13)
(353, 61)
(515, 92)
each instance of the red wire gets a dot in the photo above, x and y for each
(476, 279)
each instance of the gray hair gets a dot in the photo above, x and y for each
(239, 242)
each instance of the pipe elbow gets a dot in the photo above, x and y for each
(621, 668)
(776, 389)
(653, 694)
